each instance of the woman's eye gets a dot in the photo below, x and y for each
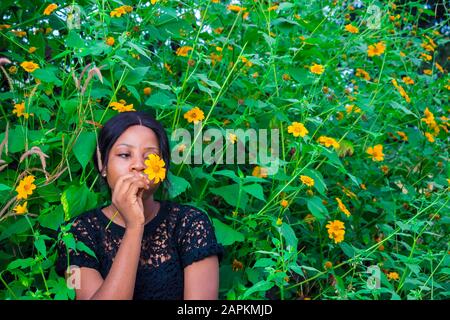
(124, 155)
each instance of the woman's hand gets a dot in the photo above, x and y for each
(127, 198)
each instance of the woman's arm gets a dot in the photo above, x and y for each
(201, 279)
(120, 281)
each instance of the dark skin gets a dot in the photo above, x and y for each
(132, 197)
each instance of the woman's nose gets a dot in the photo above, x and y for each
(138, 165)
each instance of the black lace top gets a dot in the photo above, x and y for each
(178, 236)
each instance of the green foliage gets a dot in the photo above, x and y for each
(248, 69)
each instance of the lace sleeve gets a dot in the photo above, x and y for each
(196, 238)
(77, 247)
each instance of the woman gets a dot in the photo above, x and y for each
(144, 248)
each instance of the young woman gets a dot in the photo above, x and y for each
(144, 248)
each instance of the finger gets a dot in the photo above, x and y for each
(133, 186)
(122, 189)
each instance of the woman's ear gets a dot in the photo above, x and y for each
(99, 160)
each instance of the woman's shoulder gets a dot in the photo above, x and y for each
(87, 219)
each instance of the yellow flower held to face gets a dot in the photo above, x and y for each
(376, 152)
(50, 8)
(29, 66)
(155, 168)
(26, 187)
(194, 115)
(297, 129)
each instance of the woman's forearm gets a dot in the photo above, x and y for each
(120, 281)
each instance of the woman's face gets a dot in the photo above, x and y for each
(129, 153)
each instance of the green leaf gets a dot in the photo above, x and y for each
(48, 75)
(260, 286)
(4, 187)
(20, 226)
(82, 247)
(289, 234)
(39, 243)
(225, 234)
(53, 218)
(316, 207)
(264, 262)
(255, 190)
(74, 40)
(230, 195)
(21, 263)
(84, 147)
(77, 199)
(134, 76)
(177, 185)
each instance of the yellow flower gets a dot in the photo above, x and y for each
(439, 67)
(362, 74)
(328, 265)
(183, 51)
(428, 72)
(110, 41)
(426, 57)
(297, 129)
(401, 90)
(19, 109)
(21, 209)
(408, 80)
(279, 222)
(377, 49)
(273, 8)
(327, 142)
(307, 181)
(342, 207)
(32, 50)
(121, 107)
(155, 168)
(402, 135)
(147, 91)
(336, 230)
(235, 8)
(29, 66)
(232, 137)
(393, 276)
(118, 12)
(19, 33)
(26, 187)
(259, 172)
(429, 136)
(50, 8)
(376, 152)
(284, 203)
(168, 68)
(12, 69)
(154, 1)
(351, 29)
(316, 68)
(194, 115)
(352, 108)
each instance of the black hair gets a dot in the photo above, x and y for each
(117, 125)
